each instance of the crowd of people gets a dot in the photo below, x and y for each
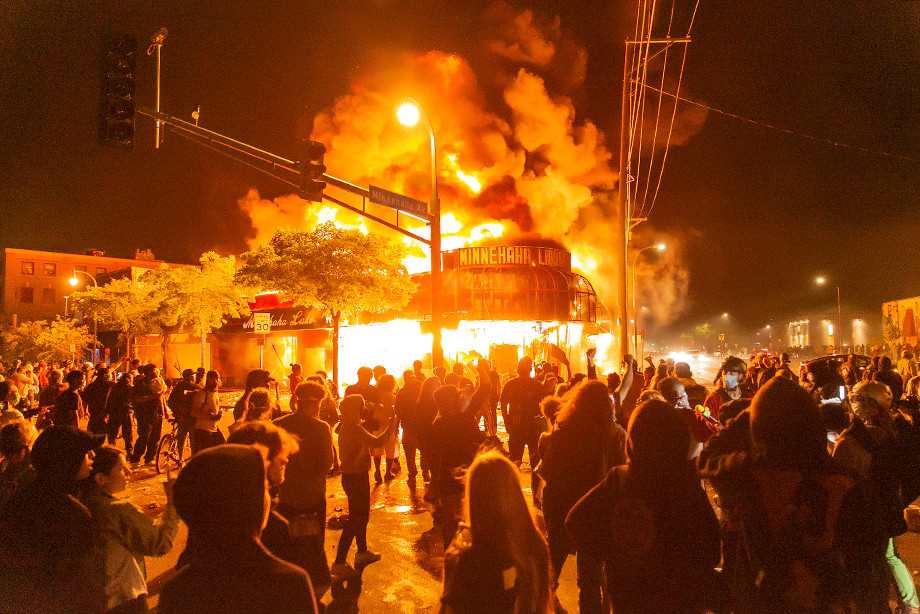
(766, 493)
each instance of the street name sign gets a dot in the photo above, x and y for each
(399, 202)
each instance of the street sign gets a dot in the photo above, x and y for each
(262, 323)
(399, 202)
(721, 336)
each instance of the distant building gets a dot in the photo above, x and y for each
(36, 284)
(817, 332)
(903, 313)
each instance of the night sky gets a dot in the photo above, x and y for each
(757, 212)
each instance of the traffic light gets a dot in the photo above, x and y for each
(312, 170)
(118, 92)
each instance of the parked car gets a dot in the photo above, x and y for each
(827, 368)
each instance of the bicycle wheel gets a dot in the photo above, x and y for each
(163, 452)
(178, 456)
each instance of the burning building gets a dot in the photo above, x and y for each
(501, 301)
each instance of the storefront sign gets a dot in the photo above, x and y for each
(288, 318)
(512, 255)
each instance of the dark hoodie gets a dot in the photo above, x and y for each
(811, 537)
(49, 560)
(651, 522)
(220, 495)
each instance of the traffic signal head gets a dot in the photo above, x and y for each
(118, 92)
(312, 170)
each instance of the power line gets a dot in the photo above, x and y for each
(764, 124)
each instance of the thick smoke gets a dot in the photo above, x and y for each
(532, 164)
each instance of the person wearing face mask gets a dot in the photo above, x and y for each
(728, 385)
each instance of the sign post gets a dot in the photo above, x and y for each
(261, 325)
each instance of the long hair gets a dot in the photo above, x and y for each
(499, 519)
(587, 407)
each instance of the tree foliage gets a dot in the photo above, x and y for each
(168, 299)
(341, 270)
(122, 304)
(40, 340)
(892, 334)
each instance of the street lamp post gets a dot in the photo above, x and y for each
(659, 247)
(73, 282)
(409, 114)
(839, 335)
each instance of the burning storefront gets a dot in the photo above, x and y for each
(500, 301)
(503, 301)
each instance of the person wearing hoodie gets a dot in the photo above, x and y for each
(222, 496)
(49, 561)
(355, 443)
(651, 523)
(455, 437)
(810, 534)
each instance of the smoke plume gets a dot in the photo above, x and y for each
(530, 167)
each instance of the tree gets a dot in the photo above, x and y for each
(892, 335)
(203, 298)
(342, 271)
(123, 304)
(40, 340)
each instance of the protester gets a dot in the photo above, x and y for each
(454, 439)
(302, 495)
(95, 398)
(728, 382)
(498, 561)
(128, 534)
(48, 557)
(520, 407)
(149, 408)
(575, 455)
(406, 405)
(222, 497)
(354, 453)
(386, 386)
(16, 468)
(207, 413)
(651, 523)
(873, 448)
(120, 413)
(257, 378)
(180, 404)
(295, 378)
(808, 530)
(276, 446)
(49, 394)
(68, 409)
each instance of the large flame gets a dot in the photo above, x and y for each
(529, 166)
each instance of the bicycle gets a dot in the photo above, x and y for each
(168, 453)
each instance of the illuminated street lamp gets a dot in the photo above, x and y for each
(660, 247)
(408, 114)
(821, 281)
(73, 282)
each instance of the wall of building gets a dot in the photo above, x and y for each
(36, 284)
